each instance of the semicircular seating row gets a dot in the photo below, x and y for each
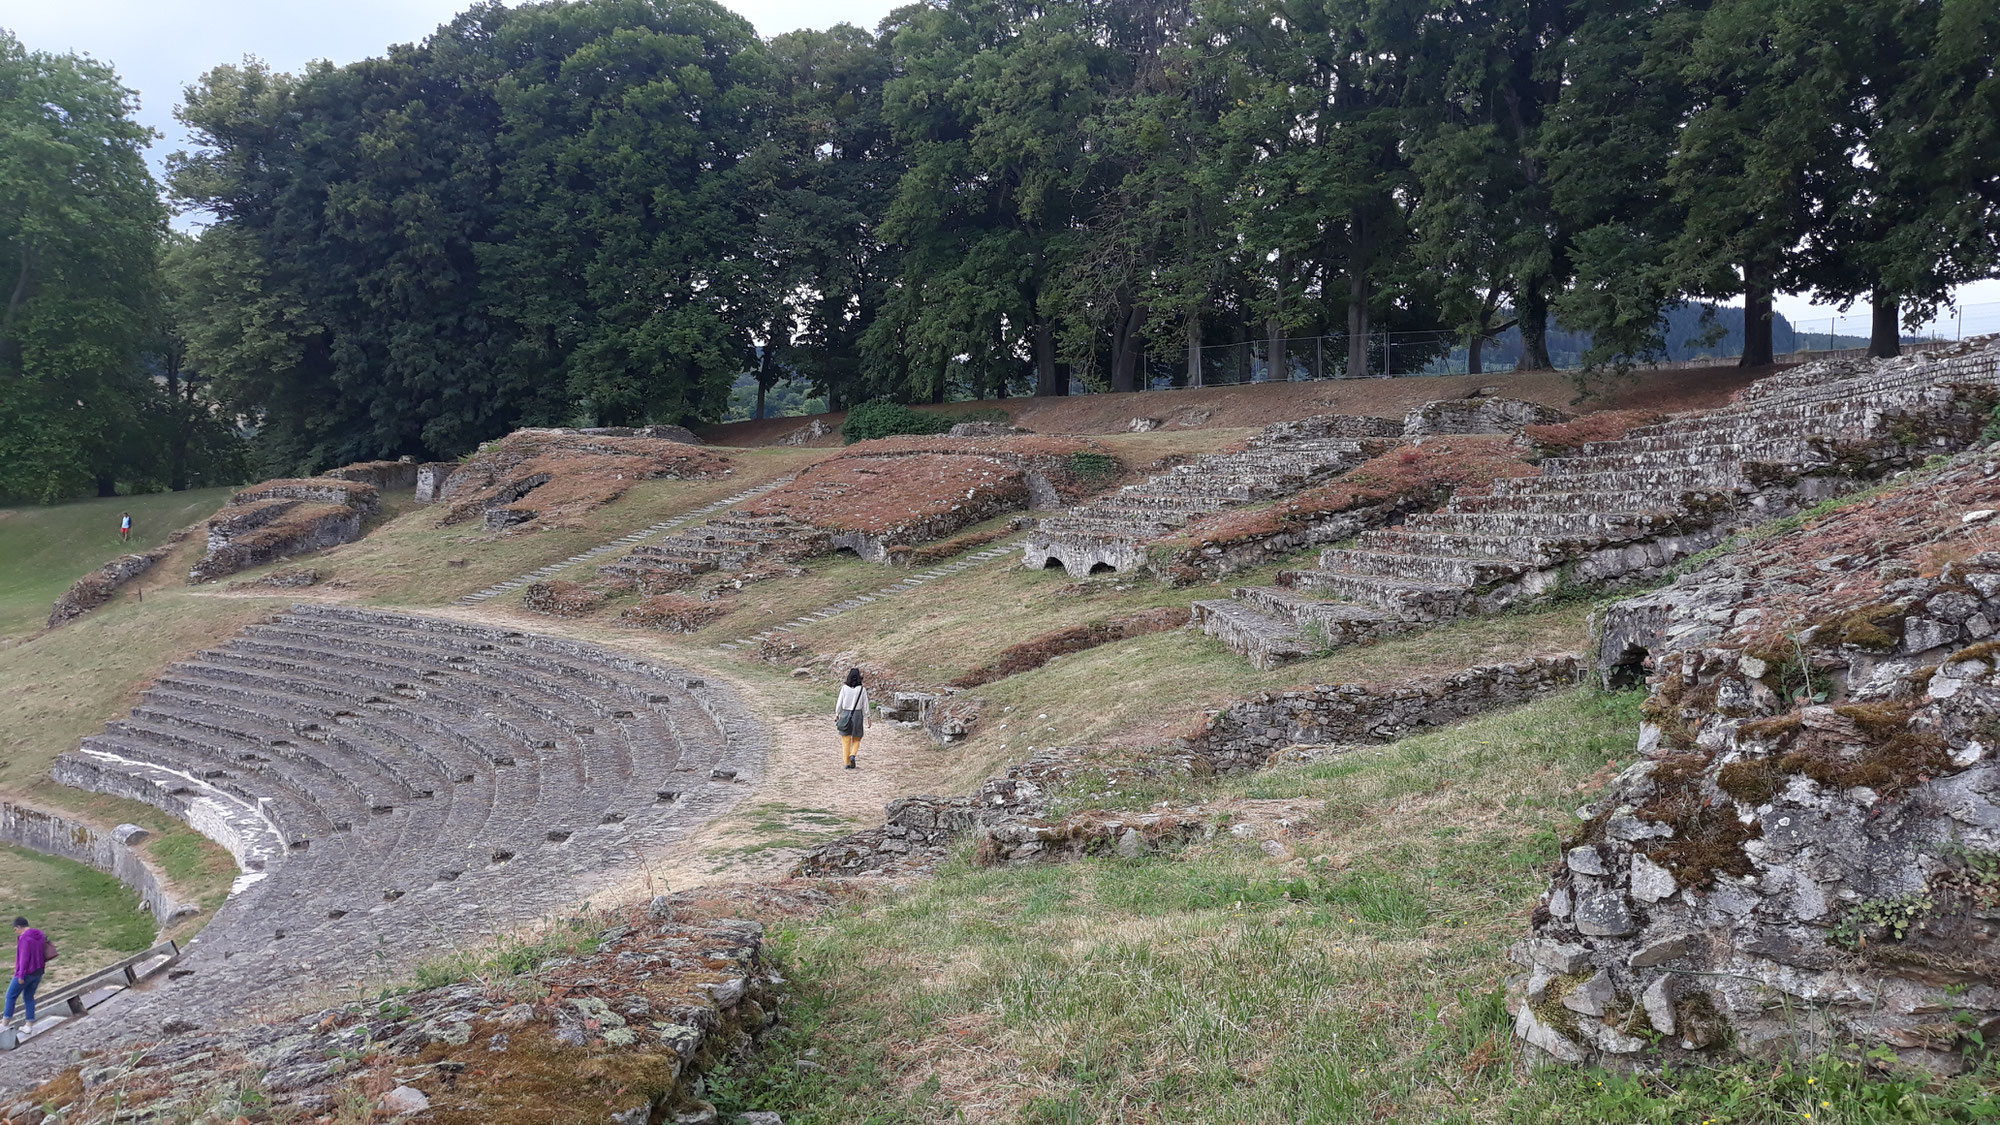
(395, 785)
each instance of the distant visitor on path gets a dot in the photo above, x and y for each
(125, 526)
(32, 954)
(850, 714)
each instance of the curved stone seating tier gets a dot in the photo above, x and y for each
(1620, 507)
(1110, 533)
(396, 785)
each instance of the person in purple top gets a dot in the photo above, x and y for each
(31, 957)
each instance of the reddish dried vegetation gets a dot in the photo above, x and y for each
(1561, 438)
(673, 613)
(1912, 530)
(881, 486)
(548, 475)
(1407, 476)
(1032, 654)
(561, 599)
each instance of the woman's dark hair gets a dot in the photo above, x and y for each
(854, 677)
(20, 923)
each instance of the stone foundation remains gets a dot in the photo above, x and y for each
(1479, 416)
(386, 476)
(101, 585)
(1245, 735)
(1809, 854)
(282, 518)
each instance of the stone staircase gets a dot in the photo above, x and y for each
(1621, 508)
(396, 786)
(1111, 533)
(730, 542)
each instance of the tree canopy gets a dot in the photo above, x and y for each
(612, 211)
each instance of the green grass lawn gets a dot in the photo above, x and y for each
(44, 550)
(92, 917)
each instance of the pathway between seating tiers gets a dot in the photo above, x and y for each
(395, 786)
(1623, 508)
(1111, 533)
(623, 542)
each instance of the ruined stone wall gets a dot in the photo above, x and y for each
(1478, 416)
(1244, 735)
(1808, 856)
(389, 476)
(1321, 426)
(431, 480)
(100, 585)
(111, 853)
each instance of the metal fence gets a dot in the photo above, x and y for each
(1388, 354)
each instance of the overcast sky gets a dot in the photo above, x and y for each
(160, 46)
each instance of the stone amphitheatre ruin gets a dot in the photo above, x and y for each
(392, 782)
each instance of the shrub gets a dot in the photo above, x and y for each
(882, 418)
(1092, 469)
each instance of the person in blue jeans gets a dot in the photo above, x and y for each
(31, 958)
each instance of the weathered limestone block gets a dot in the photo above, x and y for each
(432, 477)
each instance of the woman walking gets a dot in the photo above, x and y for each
(850, 713)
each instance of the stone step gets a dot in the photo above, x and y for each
(1413, 599)
(1663, 479)
(1537, 550)
(1329, 625)
(1443, 570)
(1611, 525)
(1266, 642)
(1577, 502)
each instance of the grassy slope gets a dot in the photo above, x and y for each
(404, 562)
(91, 916)
(43, 550)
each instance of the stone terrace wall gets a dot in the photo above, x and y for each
(282, 518)
(112, 853)
(1479, 416)
(1246, 734)
(389, 476)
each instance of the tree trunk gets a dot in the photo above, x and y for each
(107, 486)
(1045, 359)
(1277, 369)
(1475, 363)
(1885, 331)
(1357, 322)
(1535, 325)
(1194, 349)
(1756, 319)
(1125, 350)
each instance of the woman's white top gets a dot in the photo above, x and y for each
(852, 699)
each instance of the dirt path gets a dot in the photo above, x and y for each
(805, 798)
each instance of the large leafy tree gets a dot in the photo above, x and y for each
(80, 228)
(1903, 99)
